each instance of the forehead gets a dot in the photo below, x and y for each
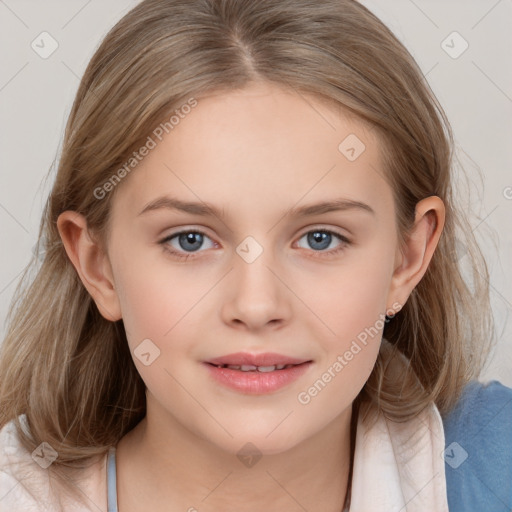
(261, 145)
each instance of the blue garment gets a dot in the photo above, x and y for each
(478, 451)
(111, 481)
(478, 455)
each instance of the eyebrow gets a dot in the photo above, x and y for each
(205, 209)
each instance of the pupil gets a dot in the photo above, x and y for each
(319, 237)
(191, 238)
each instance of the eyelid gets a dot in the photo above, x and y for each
(320, 227)
(182, 231)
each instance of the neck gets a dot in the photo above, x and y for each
(161, 463)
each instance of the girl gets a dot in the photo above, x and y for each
(316, 346)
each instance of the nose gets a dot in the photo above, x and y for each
(254, 295)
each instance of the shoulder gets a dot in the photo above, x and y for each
(27, 485)
(22, 485)
(478, 449)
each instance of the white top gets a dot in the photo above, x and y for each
(398, 467)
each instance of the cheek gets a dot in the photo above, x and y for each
(351, 304)
(155, 296)
(352, 296)
(162, 306)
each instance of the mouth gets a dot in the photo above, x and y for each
(257, 379)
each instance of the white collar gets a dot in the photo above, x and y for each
(399, 466)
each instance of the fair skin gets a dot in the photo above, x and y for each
(255, 154)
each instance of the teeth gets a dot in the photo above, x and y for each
(244, 367)
(266, 368)
(251, 368)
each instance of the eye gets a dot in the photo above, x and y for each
(184, 243)
(321, 239)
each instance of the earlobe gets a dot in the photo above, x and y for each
(419, 249)
(90, 262)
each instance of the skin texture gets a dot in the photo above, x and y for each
(254, 154)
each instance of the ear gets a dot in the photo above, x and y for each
(91, 263)
(412, 262)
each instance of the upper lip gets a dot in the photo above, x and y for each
(266, 359)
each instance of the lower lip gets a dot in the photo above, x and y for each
(257, 383)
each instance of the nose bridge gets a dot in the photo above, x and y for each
(256, 296)
(252, 262)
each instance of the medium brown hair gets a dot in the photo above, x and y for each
(69, 370)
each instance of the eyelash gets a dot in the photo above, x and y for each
(185, 256)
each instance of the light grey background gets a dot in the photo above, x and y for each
(475, 89)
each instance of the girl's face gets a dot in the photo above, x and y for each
(271, 270)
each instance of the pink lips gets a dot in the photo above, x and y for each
(256, 382)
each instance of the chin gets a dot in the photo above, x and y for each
(247, 441)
